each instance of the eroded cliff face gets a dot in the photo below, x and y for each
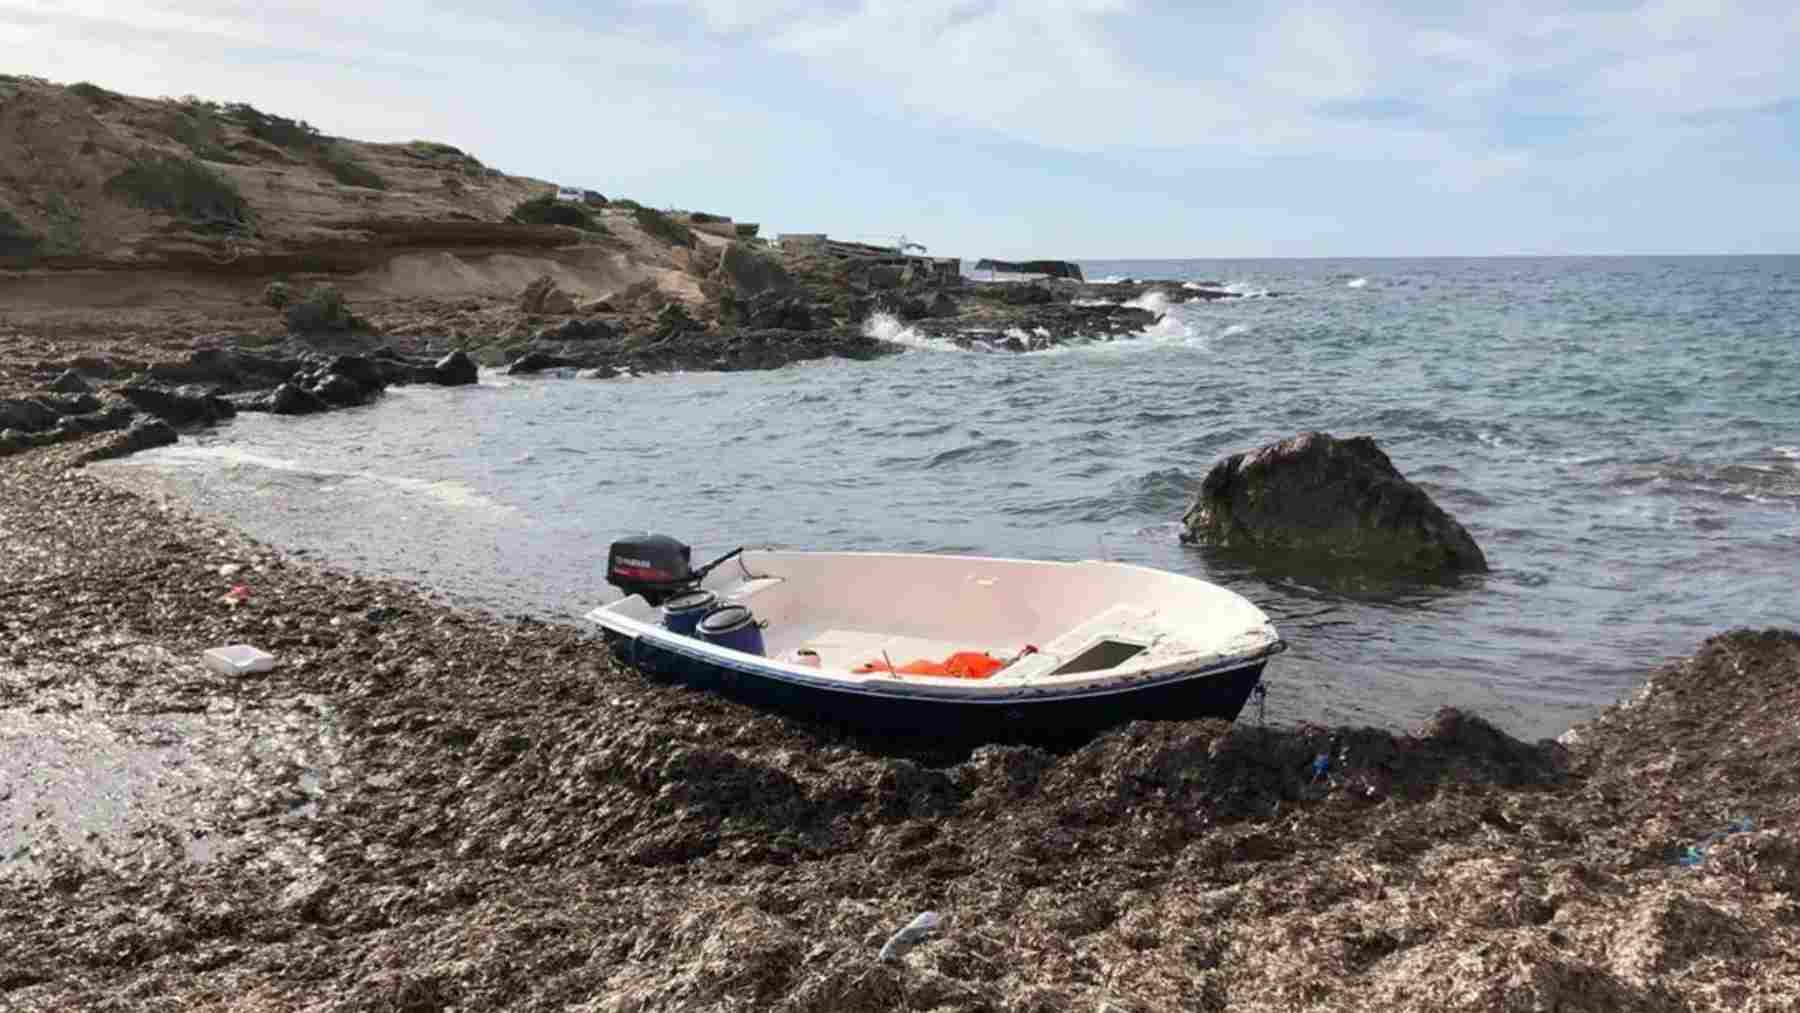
(169, 202)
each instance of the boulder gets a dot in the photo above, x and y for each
(770, 311)
(1317, 494)
(751, 273)
(537, 362)
(290, 399)
(456, 369)
(177, 408)
(338, 389)
(204, 365)
(365, 371)
(26, 414)
(75, 404)
(111, 419)
(70, 382)
(543, 296)
(578, 330)
(140, 435)
(1026, 295)
(942, 306)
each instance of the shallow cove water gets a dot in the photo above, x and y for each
(1622, 436)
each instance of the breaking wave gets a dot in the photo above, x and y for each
(889, 328)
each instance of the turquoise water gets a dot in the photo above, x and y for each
(1621, 436)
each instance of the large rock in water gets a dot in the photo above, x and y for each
(1343, 498)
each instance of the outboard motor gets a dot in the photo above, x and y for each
(655, 566)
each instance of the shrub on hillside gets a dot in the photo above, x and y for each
(657, 224)
(547, 210)
(277, 294)
(702, 218)
(93, 93)
(277, 130)
(344, 168)
(181, 186)
(323, 309)
(15, 239)
(198, 127)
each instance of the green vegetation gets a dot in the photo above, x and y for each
(181, 186)
(748, 230)
(435, 149)
(323, 309)
(198, 126)
(277, 130)
(65, 227)
(15, 239)
(277, 295)
(94, 94)
(657, 224)
(626, 203)
(547, 210)
(344, 168)
(702, 218)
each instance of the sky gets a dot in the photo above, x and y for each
(1082, 129)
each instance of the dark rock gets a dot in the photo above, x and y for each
(267, 367)
(456, 369)
(537, 362)
(364, 371)
(771, 311)
(27, 414)
(323, 310)
(290, 399)
(1318, 494)
(906, 307)
(205, 365)
(140, 435)
(70, 382)
(305, 897)
(111, 419)
(176, 408)
(1026, 295)
(673, 321)
(543, 296)
(338, 389)
(942, 306)
(578, 330)
(751, 273)
(597, 373)
(79, 404)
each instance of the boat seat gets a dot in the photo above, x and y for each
(1130, 623)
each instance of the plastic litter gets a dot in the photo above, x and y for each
(237, 659)
(239, 593)
(910, 936)
(1695, 854)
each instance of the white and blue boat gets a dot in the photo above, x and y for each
(938, 646)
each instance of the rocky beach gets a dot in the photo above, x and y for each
(424, 806)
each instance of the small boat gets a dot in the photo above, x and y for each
(937, 646)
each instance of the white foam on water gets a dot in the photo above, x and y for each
(1111, 279)
(889, 328)
(229, 458)
(1246, 290)
(1092, 302)
(1357, 283)
(1154, 300)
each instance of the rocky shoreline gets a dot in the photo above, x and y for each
(425, 808)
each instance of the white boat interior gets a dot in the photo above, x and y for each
(1085, 623)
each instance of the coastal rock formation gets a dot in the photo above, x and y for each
(290, 399)
(140, 435)
(578, 330)
(1315, 493)
(750, 273)
(69, 382)
(457, 370)
(177, 408)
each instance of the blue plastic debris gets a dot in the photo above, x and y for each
(1694, 855)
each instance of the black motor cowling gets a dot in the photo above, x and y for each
(655, 566)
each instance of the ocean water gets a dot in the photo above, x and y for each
(1622, 436)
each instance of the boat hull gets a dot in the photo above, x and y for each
(1218, 692)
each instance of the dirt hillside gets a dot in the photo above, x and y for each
(111, 200)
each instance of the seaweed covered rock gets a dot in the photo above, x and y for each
(1317, 494)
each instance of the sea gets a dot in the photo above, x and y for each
(1620, 435)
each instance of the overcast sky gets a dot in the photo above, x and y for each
(1066, 128)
